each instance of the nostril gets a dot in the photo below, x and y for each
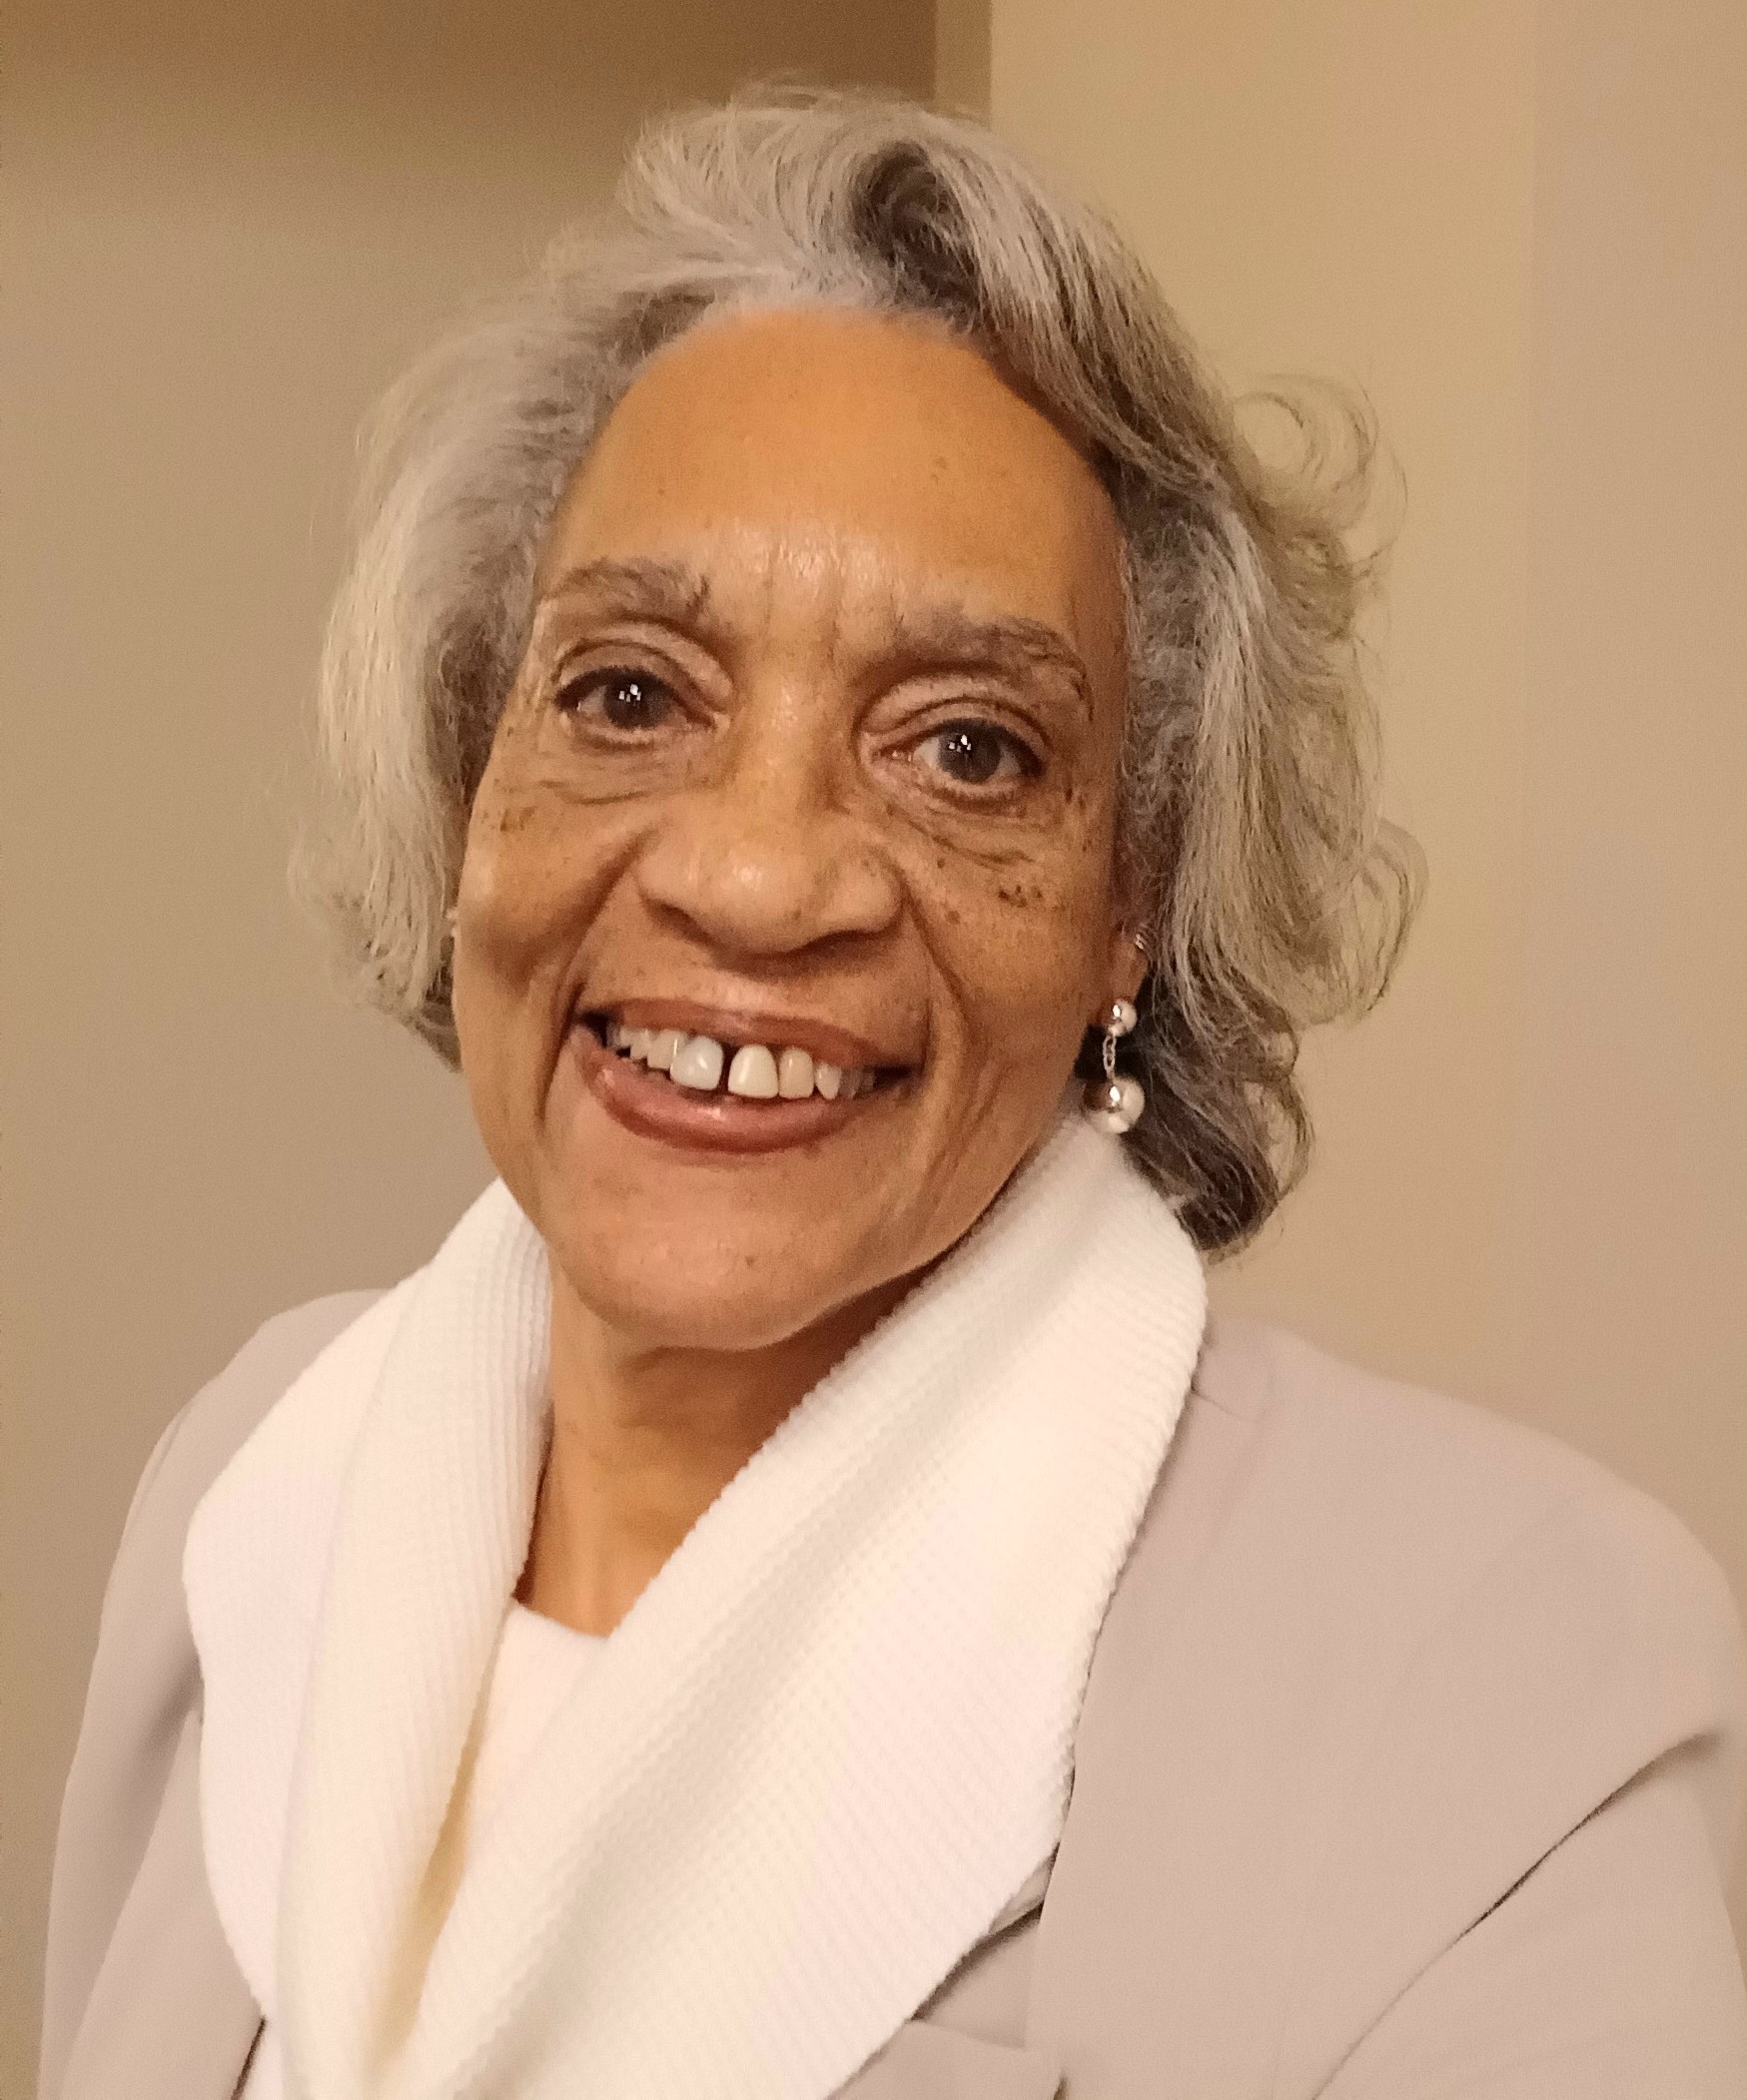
(747, 887)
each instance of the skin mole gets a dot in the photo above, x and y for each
(510, 817)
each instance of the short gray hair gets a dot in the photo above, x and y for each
(1269, 893)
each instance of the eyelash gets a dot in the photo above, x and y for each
(572, 691)
(1029, 764)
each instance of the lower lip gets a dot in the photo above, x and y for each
(705, 1123)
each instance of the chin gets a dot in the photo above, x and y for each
(716, 1295)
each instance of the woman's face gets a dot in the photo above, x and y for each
(813, 749)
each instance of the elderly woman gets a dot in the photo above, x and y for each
(863, 768)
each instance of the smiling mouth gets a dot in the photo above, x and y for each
(749, 1072)
(731, 1089)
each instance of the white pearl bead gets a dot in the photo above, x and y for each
(1115, 1105)
(1122, 1016)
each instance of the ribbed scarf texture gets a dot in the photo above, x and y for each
(830, 1741)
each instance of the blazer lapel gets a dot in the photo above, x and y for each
(170, 2017)
(925, 2062)
(942, 2054)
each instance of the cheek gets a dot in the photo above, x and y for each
(519, 877)
(1024, 945)
(533, 874)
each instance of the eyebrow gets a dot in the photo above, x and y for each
(663, 590)
(947, 636)
(936, 636)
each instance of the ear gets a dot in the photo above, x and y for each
(1127, 967)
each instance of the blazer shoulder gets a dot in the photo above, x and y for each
(1525, 1659)
(143, 1608)
(212, 1427)
(1365, 1441)
(144, 1593)
(1506, 1595)
(1387, 1522)
(1377, 1654)
(1382, 1502)
(144, 1687)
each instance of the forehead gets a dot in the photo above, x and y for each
(861, 455)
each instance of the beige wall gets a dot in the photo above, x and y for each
(1524, 229)
(224, 227)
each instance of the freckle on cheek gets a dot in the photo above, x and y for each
(1024, 897)
(508, 816)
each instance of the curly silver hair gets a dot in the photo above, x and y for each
(1269, 893)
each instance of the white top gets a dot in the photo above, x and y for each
(538, 1663)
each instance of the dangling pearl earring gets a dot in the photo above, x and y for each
(1114, 1103)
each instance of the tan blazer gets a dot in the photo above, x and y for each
(1408, 1764)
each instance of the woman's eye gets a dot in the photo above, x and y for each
(976, 754)
(628, 701)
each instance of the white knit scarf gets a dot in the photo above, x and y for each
(826, 1745)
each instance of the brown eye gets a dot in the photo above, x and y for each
(628, 701)
(975, 753)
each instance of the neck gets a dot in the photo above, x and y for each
(644, 1438)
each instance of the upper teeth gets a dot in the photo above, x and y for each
(754, 1072)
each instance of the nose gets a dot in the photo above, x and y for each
(763, 860)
